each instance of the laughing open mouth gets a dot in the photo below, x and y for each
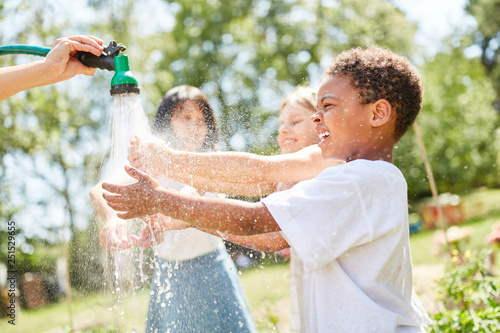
(324, 135)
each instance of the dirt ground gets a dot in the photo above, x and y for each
(424, 277)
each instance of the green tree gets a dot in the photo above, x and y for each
(49, 139)
(487, 37)
(458, 125)
(247, 54)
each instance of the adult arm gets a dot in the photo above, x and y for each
(147, 197)
(58, 65)
(232, 167)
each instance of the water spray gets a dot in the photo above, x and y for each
(128, 119)
(111, 59)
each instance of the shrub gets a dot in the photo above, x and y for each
(469, 295)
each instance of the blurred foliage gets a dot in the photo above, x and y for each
(469, 296)
(459, 127)
(48, 137)
(487, 37)
(245, 55)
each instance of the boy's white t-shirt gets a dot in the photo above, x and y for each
(349, 227)
(296, 293)
(187, 243)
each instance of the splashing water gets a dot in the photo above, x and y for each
(128, 119)
(141, 262)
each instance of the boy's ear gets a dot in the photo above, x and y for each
(381, 113)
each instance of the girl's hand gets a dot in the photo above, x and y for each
(145, 239)
(151, 233)
(149, 155)
(113, 235)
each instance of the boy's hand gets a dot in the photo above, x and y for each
(138, 199)
(113, 235)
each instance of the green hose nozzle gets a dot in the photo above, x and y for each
(123, 81)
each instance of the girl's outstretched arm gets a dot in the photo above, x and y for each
(154, 157)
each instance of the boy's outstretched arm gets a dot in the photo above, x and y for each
(147, 197)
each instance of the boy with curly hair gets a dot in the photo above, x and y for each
(348, 225)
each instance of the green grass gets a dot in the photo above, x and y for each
(421, 242)
(482, 209)
(267, 292)
(266, 287)
(92, 313)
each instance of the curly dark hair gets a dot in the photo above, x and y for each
(379, 73)
(175, 98)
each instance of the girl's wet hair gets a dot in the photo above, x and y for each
(175, 98)
(379, 73)
(303, 96)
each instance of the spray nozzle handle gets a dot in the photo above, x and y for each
(113, 49)
(105, 60)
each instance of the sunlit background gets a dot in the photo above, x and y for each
(245, 56)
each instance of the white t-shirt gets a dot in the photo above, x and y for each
(349, 227)
(188, 243)
(296, 293)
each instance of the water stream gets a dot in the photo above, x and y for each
(125, 268)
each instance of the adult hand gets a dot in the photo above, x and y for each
(113, 235)
(138, 199)
(61, 60)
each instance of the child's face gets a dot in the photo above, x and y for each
(342, 122)
(189, 126)
(296, 129)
